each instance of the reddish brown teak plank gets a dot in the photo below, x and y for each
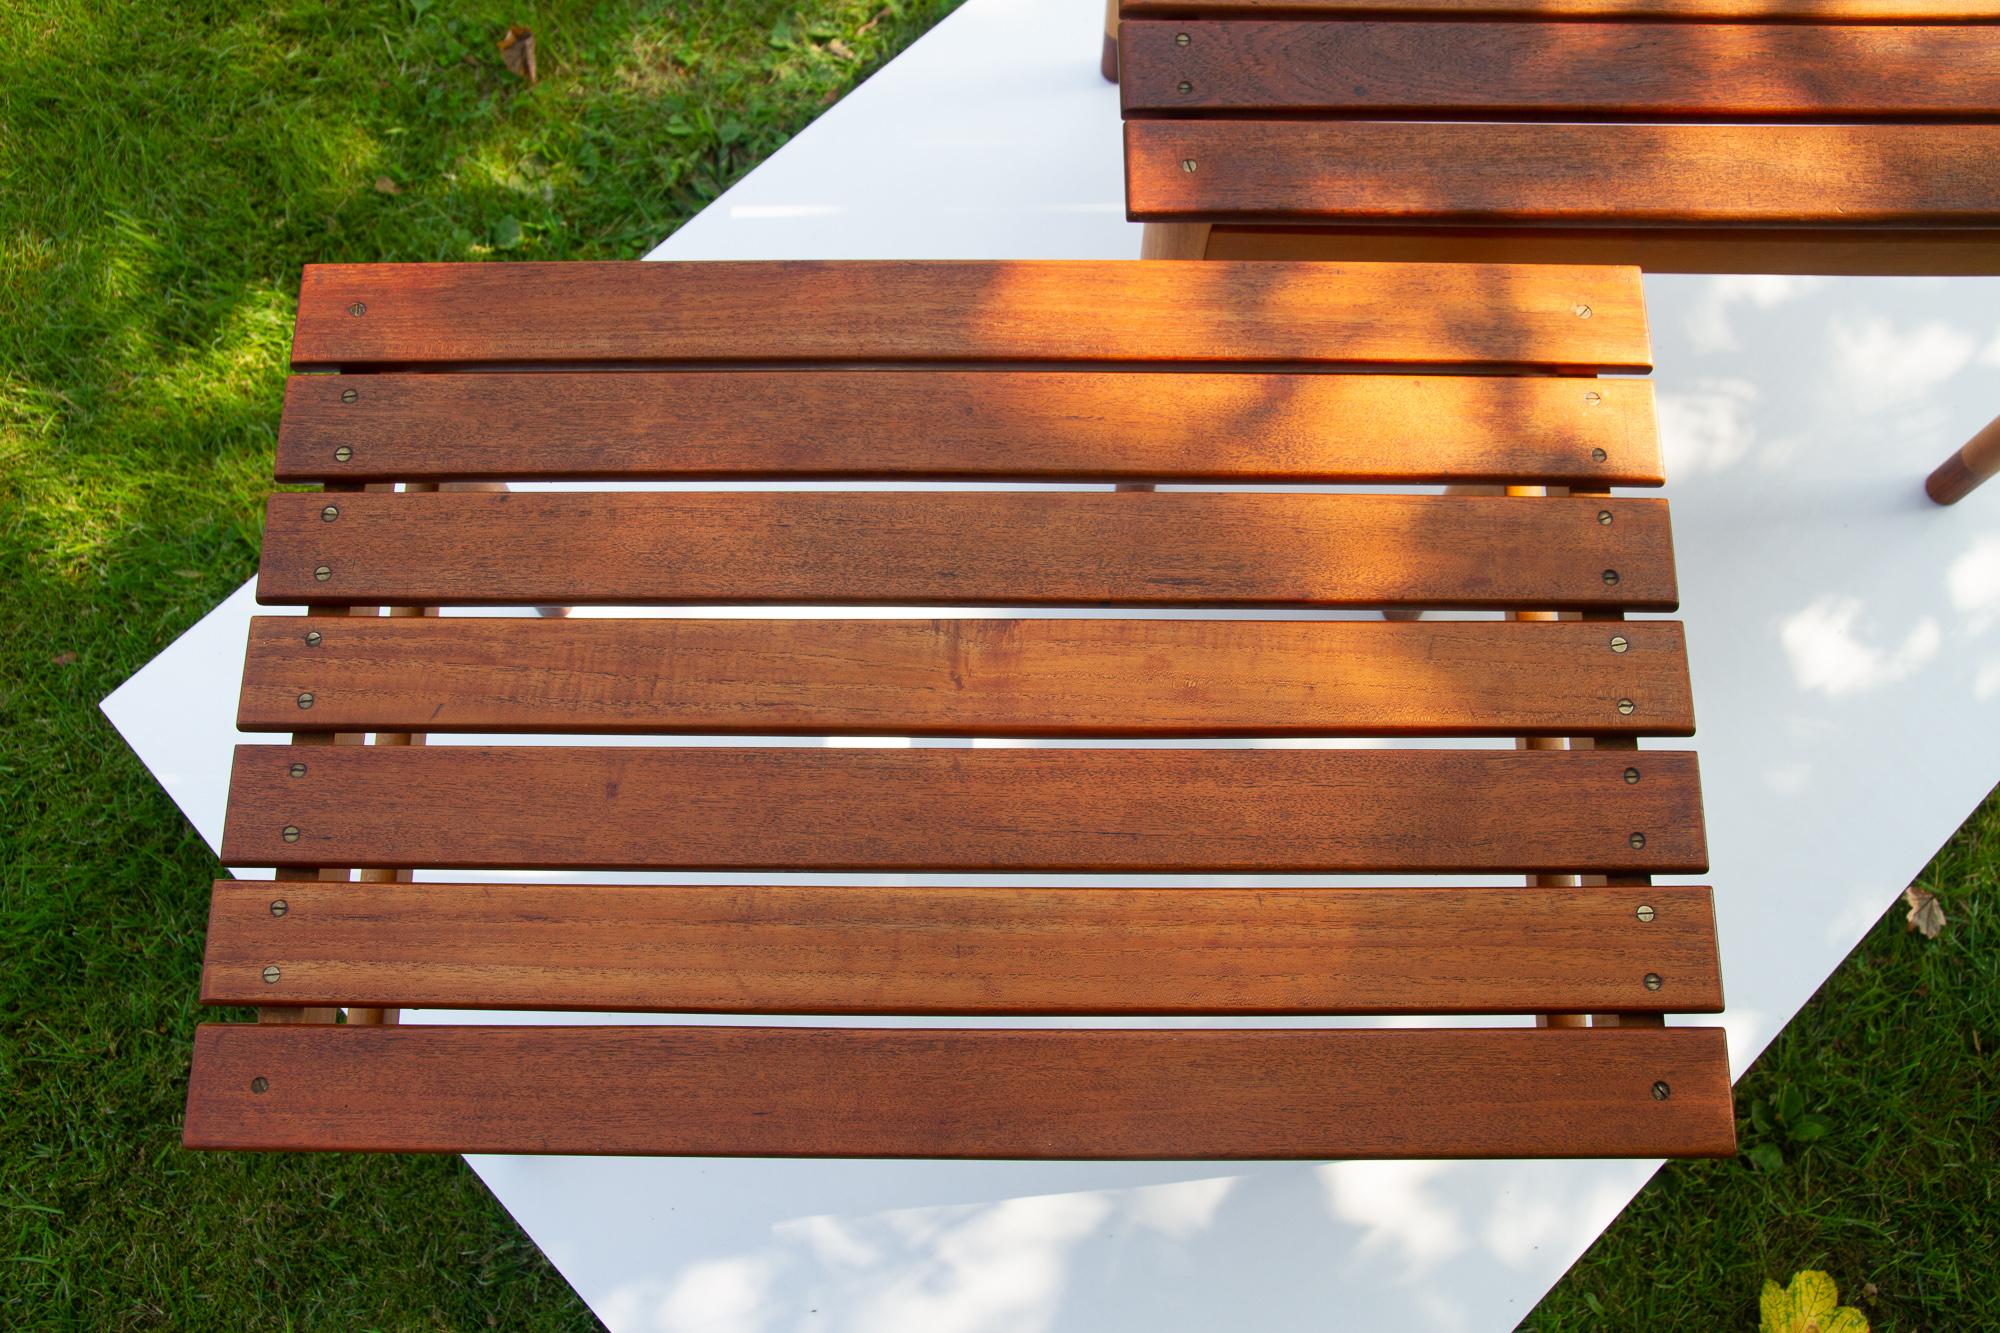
(1118, 810)
(1564, 174)
(861, 1092)
(1695, 11)
(942, 312)
(1029, 425)
(923, 950)
(967, 548)
(1040, 677)
(1429, 69)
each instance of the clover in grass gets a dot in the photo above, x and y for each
(1811, 1304)
(1783, 1122)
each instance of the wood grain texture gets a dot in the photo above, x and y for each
(1428, 69)
(944, 312)
(1852, 251)
(860, 1092)
(968, 677)
(922, 950)
(967, 548)
(1739, 11)
(1111, 810)
(1027, 425)
(1564, 174)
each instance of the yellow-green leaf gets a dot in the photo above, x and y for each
(1811, 1304)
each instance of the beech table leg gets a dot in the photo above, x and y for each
(1959, 475)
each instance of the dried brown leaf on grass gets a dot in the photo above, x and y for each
(383, 185)
(1925, 913)
(517, 48)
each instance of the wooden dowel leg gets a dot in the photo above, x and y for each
(1174, 240)
(1959, 475)
(1108, 62)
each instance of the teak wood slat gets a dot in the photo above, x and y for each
(973, 677)
(379, 315)
(1561, 174)
(1105, 810)
(967, 548)
(1431, 70)
(860, 1092)
(1026, 425)
(1692, 11)
(918, 950)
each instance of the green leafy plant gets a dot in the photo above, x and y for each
(1782, 1121)
(1809, 1304)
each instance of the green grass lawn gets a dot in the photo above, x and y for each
(164, 173)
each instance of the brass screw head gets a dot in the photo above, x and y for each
(1604, 518)
(323, 573)
(1186, 87)
(1610, 578)
(330, 513)
(1625, 707)
(1582, 311)
(1593, 397)
(1653, 981)
(259, 1083)
(1598, 455)
(312, 638)
(1661, 1091)
(1188, 164)
(306, 699)
(358, 309)
(1619, 643)
(1637, 842)
(279, 907)
(297, 770)
(342, 454)
(271, 975)
(349, 395)
(1645, 912)
(1632, 780)
(290, 833)
(1181, 39)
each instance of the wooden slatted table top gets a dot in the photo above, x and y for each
(1499, 742)
(1820, 135)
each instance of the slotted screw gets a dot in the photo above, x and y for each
(342, 454)
(323, 573)
(349, 395)
(358, 309)
(1604, 518)
(330, 513)
(1645, 912)
(279, 907)
(297, 770)
(1625, 707)
(1593, 397)
(1582, 311)
(1181, 39)
(1598, 455)
(306, 699)
(271, 975)
(1619, 643)
(1661, 1091)
(1186, 87)
(312, 638)
(1189, 164)
(1653, 981)
(1637, 842)
(1610, 578)
(259, 1083)
(1631, 777)
(290, 833)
